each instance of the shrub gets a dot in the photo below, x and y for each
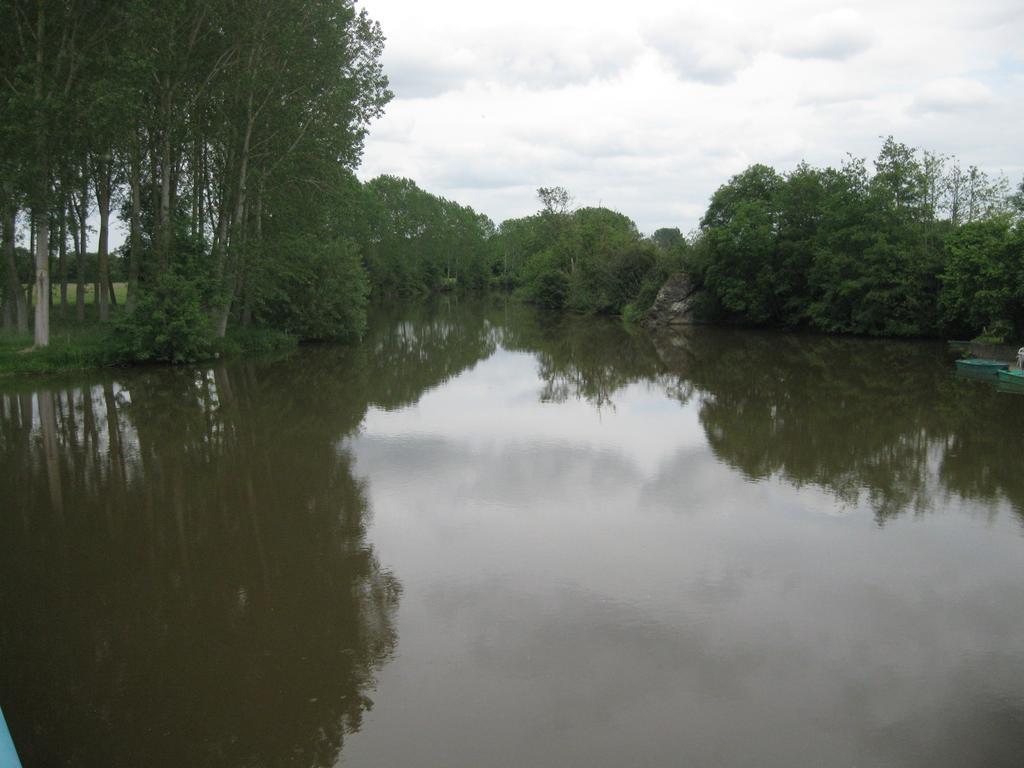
(320, 292)
(168, 324)
(544, 281)
(632, 314)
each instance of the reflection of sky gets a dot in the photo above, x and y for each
(497, 405)
(596, 589)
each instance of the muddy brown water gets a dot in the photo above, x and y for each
(490, 537)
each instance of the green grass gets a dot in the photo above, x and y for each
(90, 345)
(120, 293)
(254, 341)
(72, 348)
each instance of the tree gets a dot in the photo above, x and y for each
(983, 280)
(668, 238)
(554, 200)
(740, 249)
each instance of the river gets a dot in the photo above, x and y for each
(490, 537)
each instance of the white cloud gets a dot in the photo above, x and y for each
(702, 46)
(524, 58)
(648, 108)
(953, 94)
(838, 35)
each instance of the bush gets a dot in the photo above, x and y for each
(544, 282)
(168, 324)
(319, 291)
(632, 314)
(254, 341)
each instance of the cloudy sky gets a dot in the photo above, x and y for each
(648, 106)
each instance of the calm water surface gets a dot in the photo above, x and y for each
(485, 537)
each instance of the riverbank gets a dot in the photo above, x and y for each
(75, 347)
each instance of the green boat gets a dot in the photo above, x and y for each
(973, 367)
(1013, 379)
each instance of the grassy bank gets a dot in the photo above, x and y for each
(77, 347)
(120, 294)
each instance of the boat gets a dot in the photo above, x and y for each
(1014, 379)
(8, 754)
(975, 367)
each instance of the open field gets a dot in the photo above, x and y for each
(120, 293)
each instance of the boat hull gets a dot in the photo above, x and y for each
(1012, 379)
(981, 368)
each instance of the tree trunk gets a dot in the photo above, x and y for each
(247, 297)
(62, 260)
(135, 241)
(103, 184)
(201, 192)
(83, 246)
(40, 207)
(238, 226)
(165, 187)
(42, 330)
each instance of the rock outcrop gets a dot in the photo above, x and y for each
(675, 304)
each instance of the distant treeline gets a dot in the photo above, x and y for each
(915, 247)
(918, 247)
(225, 134)
(585, 260)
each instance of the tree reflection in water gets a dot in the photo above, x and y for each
(186, 573)
(188, 581)
(881, 421)
(186, 576)
(877, 420)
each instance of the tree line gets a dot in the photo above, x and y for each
(586, 259)
(225, 136)
(224, 133)
(917, 246)
(914, 245)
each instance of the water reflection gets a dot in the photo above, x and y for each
(587, 358)
(598, 533)
(186, 578)
(599, 554)
(881, 421)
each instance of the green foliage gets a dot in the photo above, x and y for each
(212, 121)
(983, 280)
(666, 264)
(512, 245)
(416, 242)
(591, 260)
(844, 250)
(632, 314)
(607, 280)
(254, 341)
(169, 324)
(668, 238)
(544, 280)
(327, 296)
